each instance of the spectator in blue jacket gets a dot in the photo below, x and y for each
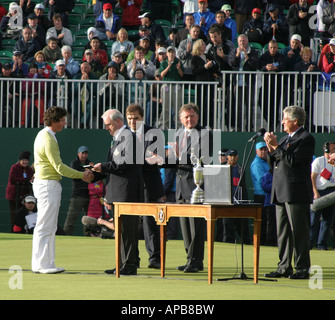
(270, 210)
(258, 168)
(108, 24)
(229, 22)
(204, 18)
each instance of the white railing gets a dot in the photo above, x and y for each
(240, 102)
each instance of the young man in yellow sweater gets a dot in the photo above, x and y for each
(49, 170)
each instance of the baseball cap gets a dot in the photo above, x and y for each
(30, 199)
(257, 10)
(145, 38)
(332, 42)
(296, 37)
(117, 54)
(107, 6)
(39, 6)
(32, 16)
(60, 63)
(272, 7)
(171, 48)
(260, 145)
(7, 66)
(226, 7)
(88, 51)
(223, 152)
(232, 152)
(202, 1)
(82, 149)
(161, 50)
(17, 53)
(146, 15)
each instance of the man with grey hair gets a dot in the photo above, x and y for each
(124, 184)
(71, 65)
(292, 192)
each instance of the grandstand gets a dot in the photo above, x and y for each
(82, 17)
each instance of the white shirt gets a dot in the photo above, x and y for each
(318, 165)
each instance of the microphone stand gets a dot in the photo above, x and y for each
(242, 275)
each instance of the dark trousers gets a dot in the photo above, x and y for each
(129, 241)
(293, 224)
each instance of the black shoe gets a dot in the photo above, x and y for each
(154, 265)
(181, 268)
(123, 271)
(191, 269)
(277, 274)
(299, 275)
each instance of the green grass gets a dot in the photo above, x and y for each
(85, 260)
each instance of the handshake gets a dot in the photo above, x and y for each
(88, 176)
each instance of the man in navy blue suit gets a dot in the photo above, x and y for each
(292, 192)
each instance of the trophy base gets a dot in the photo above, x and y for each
(197, 197)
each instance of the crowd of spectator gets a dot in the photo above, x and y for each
(210, 39)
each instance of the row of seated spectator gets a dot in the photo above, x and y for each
(274, 25)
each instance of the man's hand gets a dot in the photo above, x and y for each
(97, 167)
(88, 176)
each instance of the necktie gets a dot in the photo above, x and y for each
(287, 142)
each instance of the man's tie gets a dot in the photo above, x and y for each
(287, 142)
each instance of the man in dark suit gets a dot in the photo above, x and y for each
(292, 192)
(124, 184)
(195, 138)
(153, 185)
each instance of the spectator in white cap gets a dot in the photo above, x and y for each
(43, 21)
(11, 27)
(292, 52)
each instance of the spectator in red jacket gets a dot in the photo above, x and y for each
(328, 60)
(130, 14)
(19, 183)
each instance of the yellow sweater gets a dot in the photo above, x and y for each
(47, 162)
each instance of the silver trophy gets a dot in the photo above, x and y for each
(198, 177)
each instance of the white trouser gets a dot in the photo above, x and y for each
(48, 194)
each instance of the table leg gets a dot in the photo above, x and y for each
(210, 248)
(163, 248)
(256, 240)
(118, 230)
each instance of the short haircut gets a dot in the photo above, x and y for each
(220, 12)
(295, 112)
(66, 48)
(57, 16)
(113, 114)
(189, 106)
(54, 114)
(133, 108)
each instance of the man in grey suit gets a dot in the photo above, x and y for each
(292, 192)
(192, 137)
(124, 184)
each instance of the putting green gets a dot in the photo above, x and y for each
(85, 260)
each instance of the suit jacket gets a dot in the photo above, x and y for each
(153, 184)
(199, 140)
(124, 176)
(291, 167)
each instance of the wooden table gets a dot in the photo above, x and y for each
(162, 212)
